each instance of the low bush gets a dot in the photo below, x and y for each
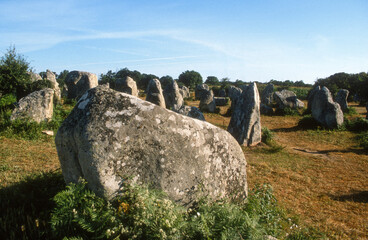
(287, 112)
(356, 125)
(363, 140)
(143, 213)
(350, 111)
(267, 136)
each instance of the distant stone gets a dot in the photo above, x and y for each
(324, 109)
(267, 95)
(286, 98)
(342, 99)
(155, 94)
(79, 82)
(192, 112)
(173, 98)
(245, 122)
(111, 137)
(127, 85)
(234, 94)
(221, 101)
(48, 132)
(266, 110)
(222, 93)
(34, 76)
(201, 89)
(184, 91)
(207, 103)
(37, 106)
(50, 76)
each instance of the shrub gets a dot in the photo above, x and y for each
(363, 140)
(308, 122)
(357, 125)
(350, 111)
(287, 112)
(267, 136)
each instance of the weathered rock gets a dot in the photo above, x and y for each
(221, 101)
(79, 82)
(111, 136)
(222, 93)
(324, 109)
(127, 85)
(266, 110)
(311, 96)
(37, 106)
(267, 95)
(34, 76)
(154, 93)
(286, 98)
(173, 98)
(207, 103)
(50, 76)
(245, 122)
(234, 93)
(342, 99)
(200, 89)
(184, 91)
(192, 112)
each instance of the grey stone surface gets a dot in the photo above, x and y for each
(79, 82)
(245, 122)
(173, 98)
(342, 99)
(324, 109)
(286, 98)
(234, 93)
(266, 110)
(37, 106)
(200, 89)
(127, 85)
(185, 92)
(221, 101)
(110, 137)
(155, 94)
(207, 103)
(50, 76)
(222, 93)
(34, 76)
(192, 112)
(267, 95)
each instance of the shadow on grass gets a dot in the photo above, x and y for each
(359, 197)
(26, 206)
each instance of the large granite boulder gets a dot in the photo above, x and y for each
(207, 103)
(342, 99)
(155, 94)
(37, 106)
(50, 76)
(245, 122)
(185, 92)
(324, 109)
(127, 85)
(173, 98)
(192, 112)
(286, 98)
(267, 95)
(79, 82)
(111, 137)
(201, 89)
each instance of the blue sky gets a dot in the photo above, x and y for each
(249, 40)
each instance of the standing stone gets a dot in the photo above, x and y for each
(222, 93)
(245, 122)
(111, 137)
(79, 82)
(173, 98)
(34, 76)
(201, 89)
(221, 101)
(207, 103)
(324, 109)
(184, 92)
(50, 76)
(311, 96)
(234, 94)
(342, 99)
(266, 110)
(192, 112)
(127, 85)
(267, 95)
(286, 98)
(37, 106)
(154, 93)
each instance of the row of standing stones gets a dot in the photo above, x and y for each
(112, 136)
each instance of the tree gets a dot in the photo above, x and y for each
(143, 83)
(14, 77)
(190, 79)
(212, 80)
(61, 78)
(165, 81)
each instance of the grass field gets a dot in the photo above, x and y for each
(320, 176)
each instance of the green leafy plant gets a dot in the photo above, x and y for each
(267, 136)
(287, 112)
